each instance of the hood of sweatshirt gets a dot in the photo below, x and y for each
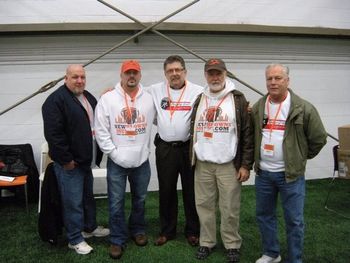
(118, 88)
(229, 86)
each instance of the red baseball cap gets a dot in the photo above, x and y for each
(130, 64)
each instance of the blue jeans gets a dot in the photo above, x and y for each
(78, 203)
(116, 183)
(267, 185)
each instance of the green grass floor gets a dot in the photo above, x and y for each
(327, 235)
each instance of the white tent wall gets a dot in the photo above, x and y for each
(319, 72)
(313, 16)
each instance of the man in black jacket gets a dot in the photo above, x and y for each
(68, 115)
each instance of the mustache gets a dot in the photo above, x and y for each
(175, 78)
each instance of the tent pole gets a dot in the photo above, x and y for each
(53, 83)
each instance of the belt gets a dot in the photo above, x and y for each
(175, 144)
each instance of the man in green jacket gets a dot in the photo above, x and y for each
(288, 131)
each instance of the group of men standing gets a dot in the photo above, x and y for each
(208, 135)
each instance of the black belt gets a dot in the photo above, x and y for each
(175, 143)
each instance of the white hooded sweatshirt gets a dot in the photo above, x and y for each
(216, 127)
(123, 128)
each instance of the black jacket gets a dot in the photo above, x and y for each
(50, 221)
(67, 128)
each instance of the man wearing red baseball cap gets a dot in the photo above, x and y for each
(130, 65)
(123, 122)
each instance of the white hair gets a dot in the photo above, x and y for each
(285, 69)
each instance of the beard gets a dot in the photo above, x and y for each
(216, 87)
(77, 90)
(132, 83)
(176, 82)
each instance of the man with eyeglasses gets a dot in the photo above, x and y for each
(174, 99)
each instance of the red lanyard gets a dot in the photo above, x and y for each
(272, 126)
(171, 109)
(133, 100)
(217, 106)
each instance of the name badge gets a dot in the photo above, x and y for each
(269, 149)
(130, 132)
(208, 132)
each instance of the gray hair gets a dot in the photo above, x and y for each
(285, 69)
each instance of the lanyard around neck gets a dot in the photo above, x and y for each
(171, 108)
(133, 100)
(216, 107)
(272, 126)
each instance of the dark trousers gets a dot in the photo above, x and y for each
(172, 160)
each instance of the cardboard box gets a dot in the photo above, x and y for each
(344, 137)
(344, 163)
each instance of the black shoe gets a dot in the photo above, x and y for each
(203, 252)
(232, 255)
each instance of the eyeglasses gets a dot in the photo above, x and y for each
(176, 70)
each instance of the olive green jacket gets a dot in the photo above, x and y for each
(304, 135)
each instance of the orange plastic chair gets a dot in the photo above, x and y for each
(19, 180)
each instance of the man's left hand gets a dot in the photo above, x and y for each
(243, 174)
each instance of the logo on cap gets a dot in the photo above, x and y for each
(215, 63)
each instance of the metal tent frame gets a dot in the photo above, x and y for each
(151, 27)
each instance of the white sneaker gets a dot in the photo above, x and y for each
(267, 259)
(82, 248)
(100, 231)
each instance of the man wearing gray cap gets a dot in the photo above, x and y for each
(222, 152)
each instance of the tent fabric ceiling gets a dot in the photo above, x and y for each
(315, 16)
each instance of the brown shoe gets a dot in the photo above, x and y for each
(193, 240)
(141, 240)
(115, 251)
(161, 240)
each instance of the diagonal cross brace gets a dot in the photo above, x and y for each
(229, 74)
(54, 82)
